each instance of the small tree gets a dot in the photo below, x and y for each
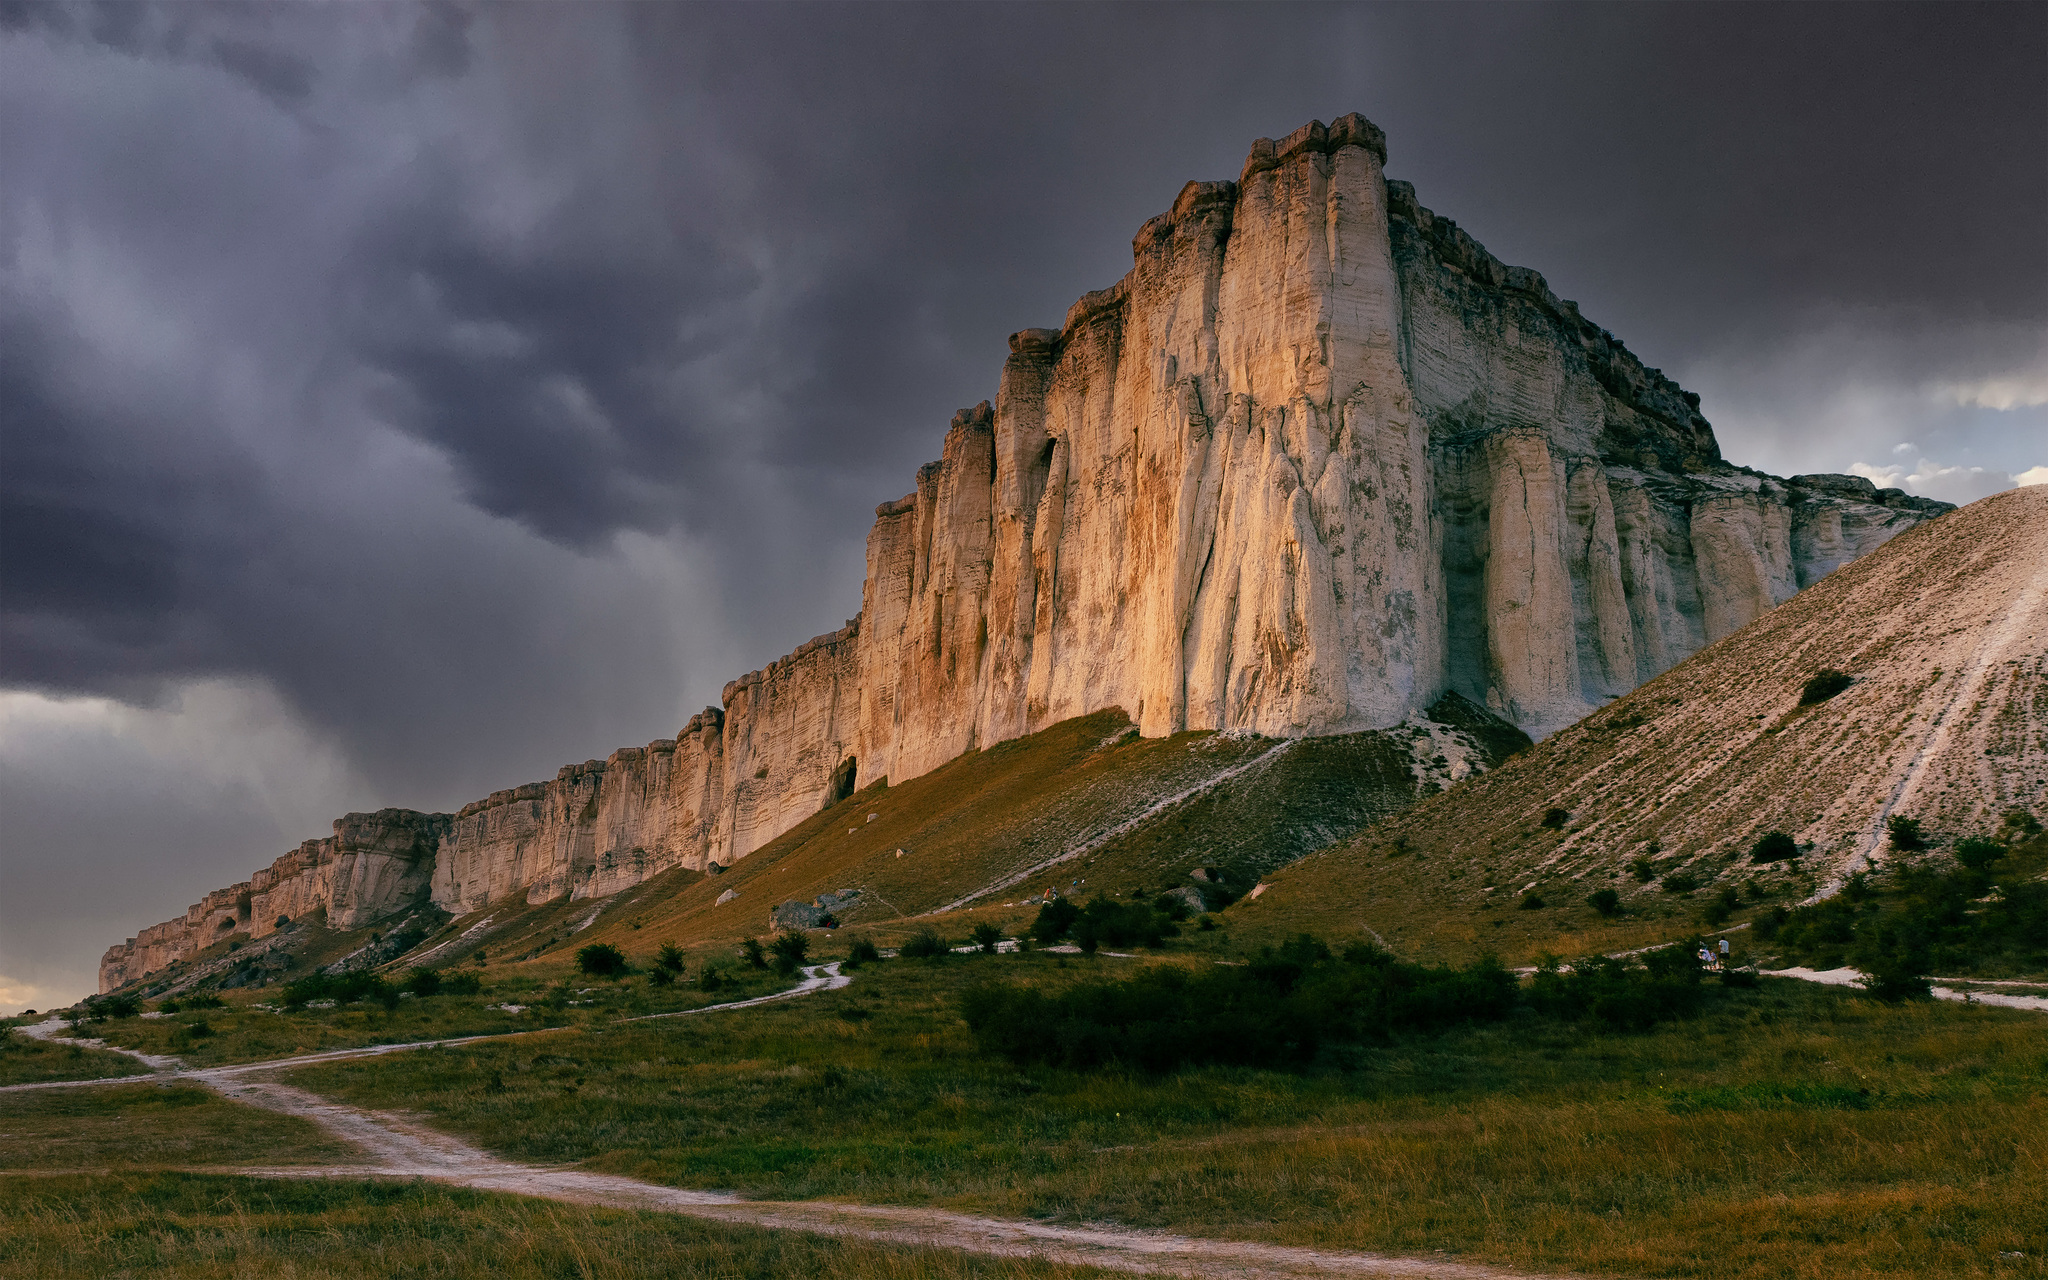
(1554, 819)
(421, 981)
(924, 945)
(669, 959)
(1723, 906)
(985, 936)
(1642, 869)
(753, 954)
(1531, 901)
(1825, 684)
(1907, 837)
(1605, 901)
(1054, 920)
(1773, 846)
(791, 950)
(660, 977)
(710, 979)
(602, 960)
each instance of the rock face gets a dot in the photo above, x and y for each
(373, 865)
(1944, 634)
(1318, 459)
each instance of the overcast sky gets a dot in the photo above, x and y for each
(400, 402)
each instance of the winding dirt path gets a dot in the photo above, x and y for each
(397, 1147)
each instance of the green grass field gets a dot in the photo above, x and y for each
(198, 1227)
(23, 1060)
(1794, 1131)
(152, 1126)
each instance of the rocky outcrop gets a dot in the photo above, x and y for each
(374, 865)
(1315, 461)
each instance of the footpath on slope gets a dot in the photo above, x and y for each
(399, 1148)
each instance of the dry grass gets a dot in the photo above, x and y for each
(152, 1126)
(1738, 1145)
(197, 1226)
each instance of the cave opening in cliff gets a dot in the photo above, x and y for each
(842, 781)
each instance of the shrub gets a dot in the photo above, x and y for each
(1766, 926)
(1773, 846)
(1642, 870)
(1824, 684)
(1680, 881)
(791, 950)
(602, 960)
(121, 1006)
(985, 936)
(1276, 1011)
(1104, 921)
(1554, 819)
(1605, 901)
(862, 952)
(659, 977)
(924, 945)
(710, 979)
(1907, 837)
(669, 959)
(1531, 901)
(421, 982)
(1977, 854)
(197, 1028)
(1725, 904)
(1624, 994)
(752, 953)
(205, 1000)
(343, 988)
(1055, 920)
(461, 984)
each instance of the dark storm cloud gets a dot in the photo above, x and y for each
(490, 383)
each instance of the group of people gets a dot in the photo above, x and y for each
(1709, 960)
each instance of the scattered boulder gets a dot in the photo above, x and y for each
(726, 897)
(798, 915)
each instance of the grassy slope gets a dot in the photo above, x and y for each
(1796, 1131)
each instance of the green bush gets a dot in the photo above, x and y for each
(421, 982)
(1642, 869)
(1554, 819)
(710, 979)
(791, 950)
(461, 984)
(669, 959)
(1055, 920)
(660, 977)
(1824, 684)
(862, 952)
(1107, 922)
(1605, 901)
(1907, 837)
(602, 960)
(99, 1008)
(343, 988)
(1773, 846)
(1977, 855)
(1623, 994)
(1680, 881)
(1531, 901)
(924, 945)
(985, 936)
(1277, 1011)
(1724, 905)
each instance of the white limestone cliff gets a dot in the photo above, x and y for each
(1317, 459)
